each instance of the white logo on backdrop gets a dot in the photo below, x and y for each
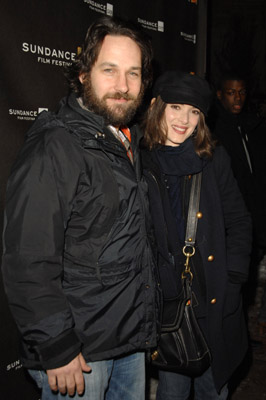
(188, 37)
(14, 365)
(103, 8)
(26, 115)
(46, 55)
(155, 26)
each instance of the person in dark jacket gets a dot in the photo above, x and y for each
(178, 145)
(78, 267)
(242, 133)
(230, 129)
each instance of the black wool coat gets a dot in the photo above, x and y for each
(224, 241)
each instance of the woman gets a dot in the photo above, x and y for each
(178, 145)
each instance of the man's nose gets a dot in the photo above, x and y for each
(237, 95)
(121, 84)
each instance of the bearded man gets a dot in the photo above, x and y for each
(77, 264)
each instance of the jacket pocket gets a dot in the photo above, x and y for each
(233, 299)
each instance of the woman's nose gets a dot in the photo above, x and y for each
(183, 117)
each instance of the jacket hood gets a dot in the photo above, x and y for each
(77, 117)
(74, 118)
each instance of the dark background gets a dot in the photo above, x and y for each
(236, 41)
(193, 35)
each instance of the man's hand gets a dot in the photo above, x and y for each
(69, 378)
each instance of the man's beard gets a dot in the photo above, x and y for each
(116, 115)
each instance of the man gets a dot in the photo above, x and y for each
(232, 94)
(243, 134)
(77, 264)
(229, 127)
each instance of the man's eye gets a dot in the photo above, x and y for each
(134, 74)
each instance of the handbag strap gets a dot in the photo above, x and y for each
(192, 219)
(192, 222)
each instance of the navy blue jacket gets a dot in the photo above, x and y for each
(224, 242)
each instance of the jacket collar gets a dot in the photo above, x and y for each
(80, 118)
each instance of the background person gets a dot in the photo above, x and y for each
(77, 264)
(228, 125)
(243, 135)
(178, 145)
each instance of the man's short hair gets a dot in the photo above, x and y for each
(92, 45)
(230, 76)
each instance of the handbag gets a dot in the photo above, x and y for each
(182, 347)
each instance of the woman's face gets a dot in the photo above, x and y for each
(181, 121)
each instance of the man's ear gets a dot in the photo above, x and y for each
(81, 78)
(219, 94)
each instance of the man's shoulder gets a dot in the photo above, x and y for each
(48, 145)
(48, 128)
(48, 138)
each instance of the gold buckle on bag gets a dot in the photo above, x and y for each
(187, 272)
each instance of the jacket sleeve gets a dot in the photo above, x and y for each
(39, 198)
(237, 220)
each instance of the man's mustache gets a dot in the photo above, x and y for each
(119, 96)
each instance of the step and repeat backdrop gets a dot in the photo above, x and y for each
(37, 40)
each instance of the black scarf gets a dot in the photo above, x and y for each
(180, 160)
(175, 162)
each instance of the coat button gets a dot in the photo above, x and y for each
(213, 301)
(199, 214)
(154, 355)
(147, 286)
(211, 257)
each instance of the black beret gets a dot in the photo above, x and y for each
(183, 88)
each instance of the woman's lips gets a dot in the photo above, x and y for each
(179, 129)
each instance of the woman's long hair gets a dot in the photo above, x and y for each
(155, 130)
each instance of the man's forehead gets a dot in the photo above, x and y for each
(234, 83)
(112, 40)
(117, 45)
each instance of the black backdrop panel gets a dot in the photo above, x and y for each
(37, 39)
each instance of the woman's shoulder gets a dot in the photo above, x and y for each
(220, 168)
(220, 155)
(219, 164)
